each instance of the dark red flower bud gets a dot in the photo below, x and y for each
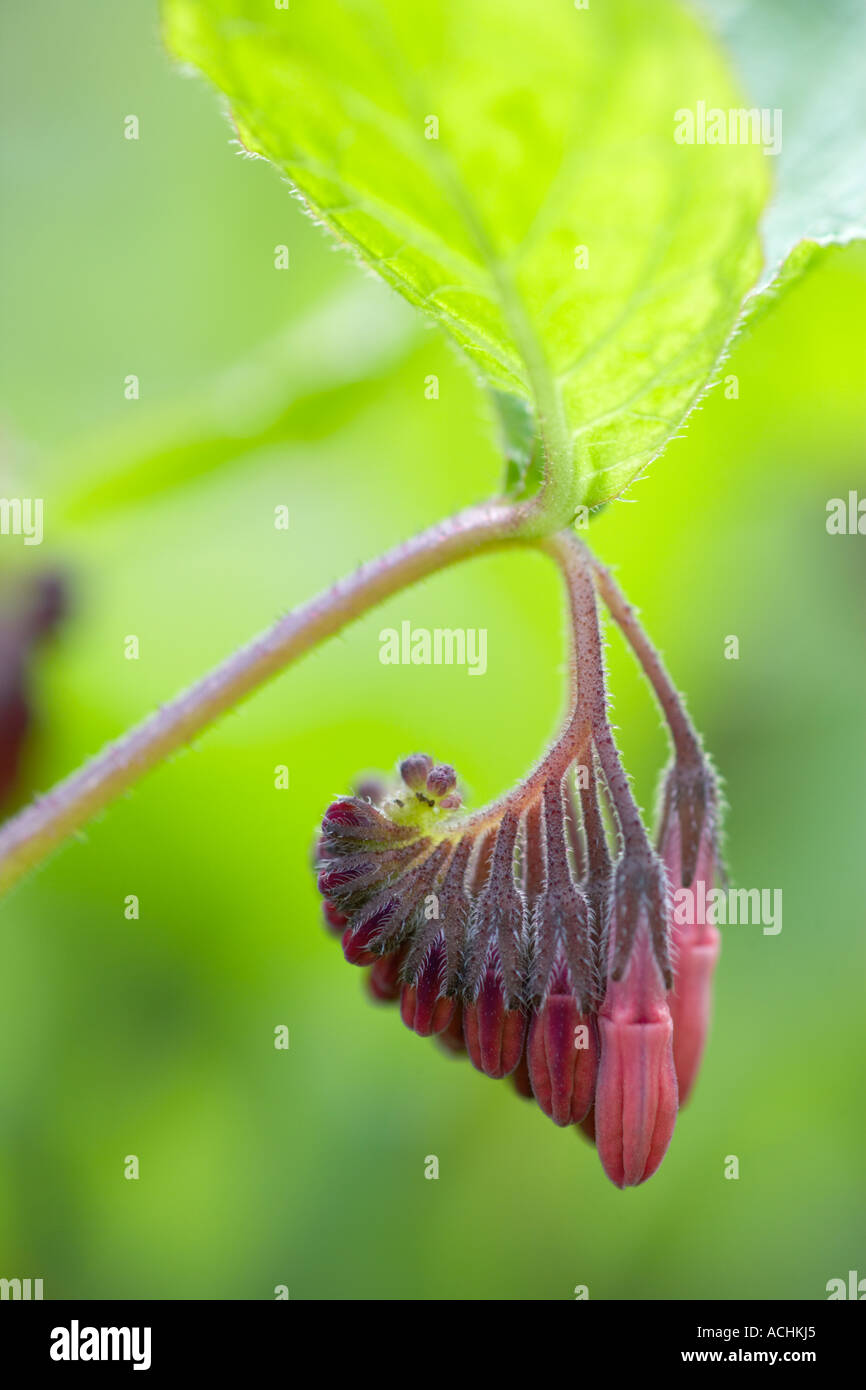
(350, 880)
(494, 1033)
(339, 874)
(364, 933)
(424, 1006)
(499, 927)
(383, 981)
(562, 1056)
(347, 811)
(455, 905)
(451, 1038)
(335, 921)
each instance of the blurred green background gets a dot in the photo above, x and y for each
(155, 1037)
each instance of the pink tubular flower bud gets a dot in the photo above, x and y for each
(696, 947)
(414, 770)
(360, 939)
(636, 1094)
(493, 1032)
(562, 1056)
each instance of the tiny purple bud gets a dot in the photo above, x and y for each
(451, 1038)
(414, 770)
(441, 780)
(334, 919)
(360, 938)
(494, 1033)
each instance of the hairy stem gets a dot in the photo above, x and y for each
(29, 837)
(572, 743)
(593, 696)
(683, 733)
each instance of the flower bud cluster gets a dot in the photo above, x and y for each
(536, 940)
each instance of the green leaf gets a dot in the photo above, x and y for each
(806, 61)
(467, 149)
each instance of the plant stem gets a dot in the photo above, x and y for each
(683, 732)
(29, 837)
(592, 693)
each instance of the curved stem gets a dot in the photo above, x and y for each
(29, 837)
(570, 556)
(574, 739)
(683, 733)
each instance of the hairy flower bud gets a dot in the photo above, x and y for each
(383, 981)
(493, 1021)
(493, 1032)
(636, 1093)
(562, 1058)
(696, 942)
(510, 934)
(561, 1047)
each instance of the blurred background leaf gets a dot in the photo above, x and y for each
(805, 60)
